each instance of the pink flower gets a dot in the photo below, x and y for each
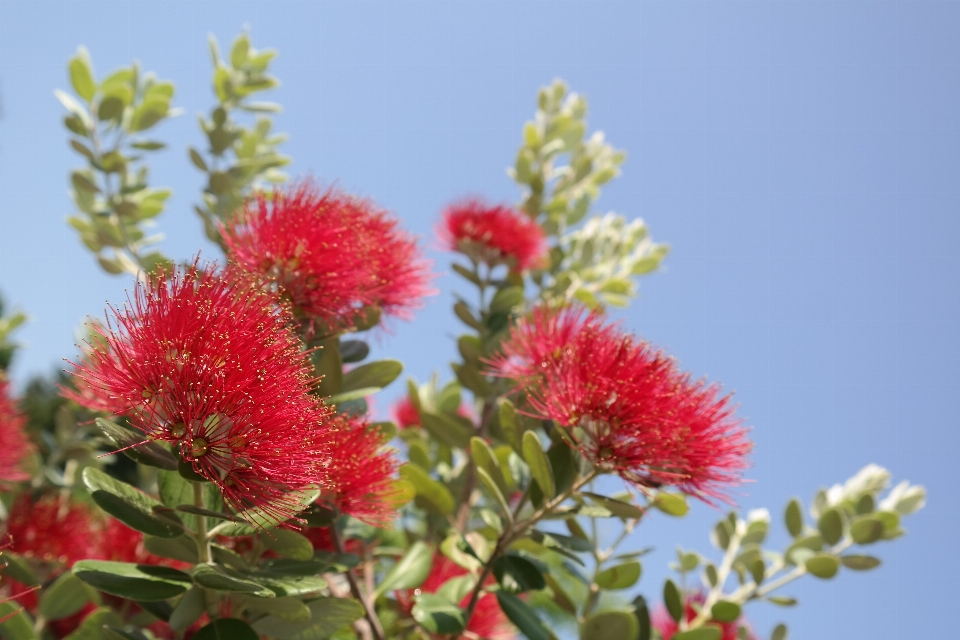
(405, 414)
(209, 363)
(627, 405)
(332, 254)
(667, 626)
(14, 445)
(495, 234)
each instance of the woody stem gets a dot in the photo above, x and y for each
(368, 609)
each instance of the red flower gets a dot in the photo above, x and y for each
(406, 414)
(359, 480)
(495, 234)
(53, 530)
(662, 622)
(488, 620)
(14, 445)
(628, 406)
(332, 254)
(210, 364)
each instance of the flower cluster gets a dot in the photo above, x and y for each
(360, 482)
(495, 234)
(14, 445)
(627, 405)
(334, 256)
(207, 361)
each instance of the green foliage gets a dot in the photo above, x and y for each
(238, 158)
(115, 204)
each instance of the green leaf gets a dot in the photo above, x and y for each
(673, 600)
(860, 562)
(621, 576)
(410, 571)
(198, 160)
(290, 609)
(224, 628)
(830, 525)
(495, 492)
(81, 75)
(66, 596)
(94, 625)
(725, 611)
(148, 453)
(191, 606)
(539, 464)
(462, 310)
(200, 511)
(133, 581)
(14, 567)
(373, 374)
(286, 585)
(223, 579)
(794, 518)
(823, 565)
(260, 518)
(110, 107)
(517, 574)
(484, 458)
(446, 429)
(779, 632)
(610, 625)
(429, 489)
(353, 350)
(289, 544)
(130, 505)
(18, 626)
(327, 616)
(551, 539)
(782, 601)
(703, 633)
(504, 300)
(182, 548)
(510, 425)
(672, 504)
(148, 145)
(642, 613)
(521, 615)
(468, 374)
(438, 615)
(866, 529)
(619, 508)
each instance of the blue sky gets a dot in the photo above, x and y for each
(802, 159)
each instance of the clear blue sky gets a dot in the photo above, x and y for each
(803, 159)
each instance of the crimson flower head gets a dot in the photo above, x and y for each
(667, 626)
(53, 530)
(14, 445)
(488, 620)
(208, 362)
(360, 478)
(627, 405)
(333, 255)
(406, 414)
(494, 234)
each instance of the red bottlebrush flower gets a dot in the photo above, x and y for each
(496, 234)
(332, 254)
(53, 530)
(488, 620)
(406, 414)
(209, 363)
(321, 540)
(662, 622)
(14, 445)
(359, 480)
(628, 406)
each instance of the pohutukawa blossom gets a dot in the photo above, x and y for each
(360, 478)
(667, 626)
(14, 445)
(53, 530)
(208, 362)
(488, 620)
(627, 405)
(494, 234)
(332, 254)
(405, 414)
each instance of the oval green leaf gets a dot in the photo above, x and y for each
(610, 625)
(521, 615)
(539, 464)
(794, 518)
(516, 574)
(288, 544)
(823, 565)
(703, 633)
(373, 375)
(672, 504)
(133, 581)
(621, 576)
(136, 446)
(131, 506)
(725, 611)
(830, 525)
(673, 600)
(67, 595)
(410, 571)
(860, 562)
(226, 628)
